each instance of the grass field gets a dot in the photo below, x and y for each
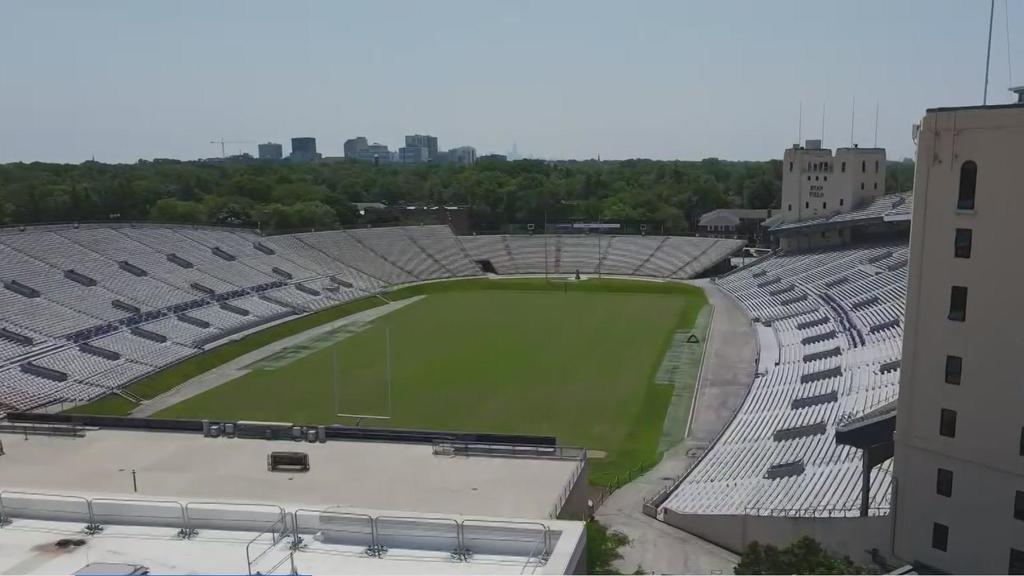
(575, 361)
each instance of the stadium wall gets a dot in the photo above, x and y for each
(854, 537)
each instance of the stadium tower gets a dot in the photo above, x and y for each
(960, 430)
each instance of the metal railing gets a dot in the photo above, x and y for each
(377, 534)
(456, 448)
(563, 496)
(277, 531)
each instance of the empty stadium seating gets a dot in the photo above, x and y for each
(657, 256)
(104, 305)
(829, 326)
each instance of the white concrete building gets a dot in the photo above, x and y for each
(816, 183)
(959, 458)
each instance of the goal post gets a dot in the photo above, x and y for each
(336, 379)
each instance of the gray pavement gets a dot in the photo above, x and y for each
(728, 371)
(240, 366)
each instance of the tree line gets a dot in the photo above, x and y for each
(495, 195)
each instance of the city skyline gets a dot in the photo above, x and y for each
(120, 81)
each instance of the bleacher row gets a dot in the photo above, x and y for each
(86, 310)
(830, 328)
(656, 256)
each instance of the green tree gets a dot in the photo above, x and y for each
(173, 210)
(803, 556)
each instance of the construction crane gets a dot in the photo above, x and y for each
(222, 142)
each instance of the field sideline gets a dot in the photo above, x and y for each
(573, 360)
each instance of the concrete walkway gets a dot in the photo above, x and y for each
(728, 372)
(240, 366)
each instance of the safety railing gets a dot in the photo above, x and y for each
(563, 496)
(118, 511)
(243, 516)
(48, 507)
(277, 532)
(376, 534)
(454, 448)
(379, 534)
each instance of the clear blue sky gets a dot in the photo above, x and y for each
(122, 80)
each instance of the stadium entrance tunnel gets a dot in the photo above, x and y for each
(487, 266)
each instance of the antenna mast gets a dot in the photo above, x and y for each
(988, 52)
(875, 145)
(853, 115)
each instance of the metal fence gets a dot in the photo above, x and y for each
(456, 448)
(462, 539)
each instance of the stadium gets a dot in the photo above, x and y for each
(405, 399)
(576, 353)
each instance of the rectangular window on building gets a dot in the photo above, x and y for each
(790, 208)
(875, 185)
(876, 166)
(947, 423)
(1022, 441)
(863, 165)
(1016, 562)
(861, 185)
(962, 243)
(944, 483)
(790, 166)
(940, 536)
(1018, 505)
(954, 367)
(842, 167)
(958, 303)
(824, 205)
(841, 201)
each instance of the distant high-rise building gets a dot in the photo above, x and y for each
(423, 141)
(463, 155)
(414, 154)
(360, 149)
(354, 145)
(304, 149)
(270, 151)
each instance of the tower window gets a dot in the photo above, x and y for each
(841, 201)
(968, 184)
(940, 536)
(824, 205)
(808, 177)
(842, 167)
(825, 178)
(876, 166)
(1018, 505)
(962, 243)
(944, 483)
(807, 205)
(958, 303)
(790, 208)
(863, 165)
(861, 185)
(1021, 450)
(876, 185)
(947, 423)
(791, 166)
(954, 368)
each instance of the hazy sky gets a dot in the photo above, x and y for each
(122, 80)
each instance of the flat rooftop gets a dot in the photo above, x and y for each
(377, 475)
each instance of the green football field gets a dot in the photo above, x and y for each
(575, 361)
